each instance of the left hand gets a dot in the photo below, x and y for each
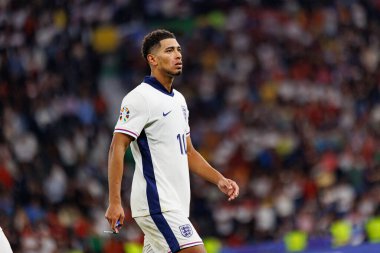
(228, 187)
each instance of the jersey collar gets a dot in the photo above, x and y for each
(152, 81)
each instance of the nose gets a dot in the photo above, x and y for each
(178, 54)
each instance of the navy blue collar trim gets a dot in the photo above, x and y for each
(152, 81)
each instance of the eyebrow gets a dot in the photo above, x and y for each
(172, 47)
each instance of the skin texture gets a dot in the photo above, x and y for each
(165, 61)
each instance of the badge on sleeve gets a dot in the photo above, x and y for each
(124, 114)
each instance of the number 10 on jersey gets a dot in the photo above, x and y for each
(182, 143)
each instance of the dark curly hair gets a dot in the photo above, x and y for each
(152, 39)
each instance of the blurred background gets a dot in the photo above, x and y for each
(284, 97)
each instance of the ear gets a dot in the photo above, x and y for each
(151, 59)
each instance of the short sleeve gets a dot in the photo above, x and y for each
(134, 115)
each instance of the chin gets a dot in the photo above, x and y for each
(174, 74)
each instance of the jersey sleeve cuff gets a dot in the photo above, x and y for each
(128, 132)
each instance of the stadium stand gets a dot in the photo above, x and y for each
(283, 97)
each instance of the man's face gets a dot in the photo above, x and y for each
(168, 57)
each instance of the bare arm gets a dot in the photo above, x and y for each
(119, 145)
(202, 168)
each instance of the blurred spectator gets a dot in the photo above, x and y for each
(284, 97)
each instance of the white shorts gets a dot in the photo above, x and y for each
(4, 244)
(168, 232)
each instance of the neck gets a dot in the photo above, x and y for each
(166, 81)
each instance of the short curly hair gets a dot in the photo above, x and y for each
(152, 39)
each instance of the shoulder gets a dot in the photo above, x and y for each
(179, 95)
(138, 94)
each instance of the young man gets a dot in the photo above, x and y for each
(4, 243)
(154, 121)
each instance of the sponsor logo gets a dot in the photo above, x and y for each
(166, 114)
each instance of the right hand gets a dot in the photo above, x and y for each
(113, 214)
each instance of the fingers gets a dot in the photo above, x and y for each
(116, 227)
(234, 192)
(235, 187)
(120, 221)
(111, 221)
(116, 224)
(113, 225)
(229, 187)
(115, 219)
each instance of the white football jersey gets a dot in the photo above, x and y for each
(4, 243)
(158, 121)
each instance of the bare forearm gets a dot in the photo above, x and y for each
(202, 168)
(199, 166)
(115, 212)
(115, 174)
(116, 153)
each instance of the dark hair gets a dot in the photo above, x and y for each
(153, 38)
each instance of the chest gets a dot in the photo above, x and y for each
(168, 116)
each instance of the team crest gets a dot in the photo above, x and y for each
(184, 111)
(186, 230)
(124, 114)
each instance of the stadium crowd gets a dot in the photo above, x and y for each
(284, 97)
